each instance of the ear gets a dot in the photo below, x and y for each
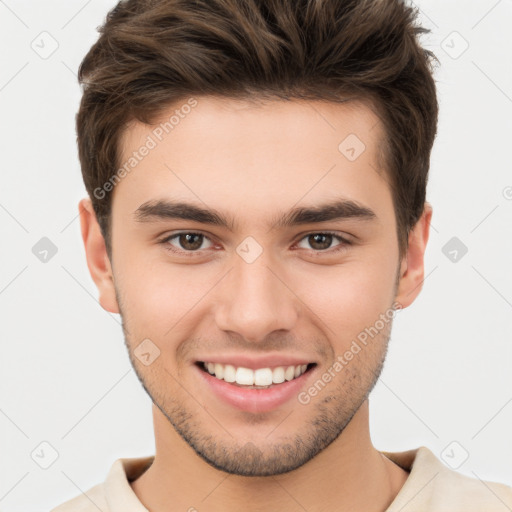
(97, 256)
(412, 268)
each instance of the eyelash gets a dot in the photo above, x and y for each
(340, 247)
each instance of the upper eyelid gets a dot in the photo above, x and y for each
(166, 238)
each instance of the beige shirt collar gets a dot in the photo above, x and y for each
(420, 462)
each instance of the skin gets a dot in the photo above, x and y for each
(255, 162)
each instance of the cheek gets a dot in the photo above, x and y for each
(347, 299)
(158, 298)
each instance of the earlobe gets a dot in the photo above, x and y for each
(412, 270)
(97, 257)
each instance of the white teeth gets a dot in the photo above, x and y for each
(278, 375)
(219, 371)
(259, 377)
(263, 377)
(244, 376)
(229, 373)
(289, 373)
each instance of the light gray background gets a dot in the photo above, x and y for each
(66, 378)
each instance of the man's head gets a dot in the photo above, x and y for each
(257, 171)
(152, 54)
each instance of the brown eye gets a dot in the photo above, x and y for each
(323, 241)
(320, 241)
(187, 241)
(190, 241)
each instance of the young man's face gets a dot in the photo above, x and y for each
(261, 292)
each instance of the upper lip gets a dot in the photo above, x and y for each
(255, 362)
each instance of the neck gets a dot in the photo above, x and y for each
(350, 474)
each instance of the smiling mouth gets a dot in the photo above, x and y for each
(260, 378)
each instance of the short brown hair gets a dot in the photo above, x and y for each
(154, 53)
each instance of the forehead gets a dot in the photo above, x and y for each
(253, 156)
(256, 122)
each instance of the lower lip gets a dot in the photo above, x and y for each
(255, 400)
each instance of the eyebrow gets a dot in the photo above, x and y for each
(341, 209)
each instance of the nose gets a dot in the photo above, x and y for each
(255, 300)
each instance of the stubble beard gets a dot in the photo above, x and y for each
(334, 408)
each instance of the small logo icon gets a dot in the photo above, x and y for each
(454, 45)
(249, 451)
(249, 250)
(45, 45)
(146, 352)
(454, 249)
(352, 147)
(44, 250)
(44, 455)
(454, 455)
